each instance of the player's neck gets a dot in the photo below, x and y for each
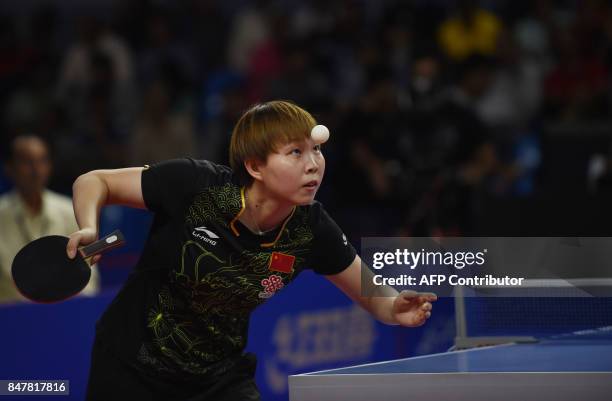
(264, 212)
(32, 201)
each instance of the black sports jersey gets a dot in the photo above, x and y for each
(184, 310)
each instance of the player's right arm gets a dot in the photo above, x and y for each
(93, 190)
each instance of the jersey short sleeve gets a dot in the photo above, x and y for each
(331, 252)
(169, 185)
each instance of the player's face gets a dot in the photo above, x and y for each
(31, 166)
(294, 173)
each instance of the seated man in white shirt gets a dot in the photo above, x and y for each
(30, 210)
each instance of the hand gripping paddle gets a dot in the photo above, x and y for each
(43, 272)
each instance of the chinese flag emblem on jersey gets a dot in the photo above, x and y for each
(281, 262)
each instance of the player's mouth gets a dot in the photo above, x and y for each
(311, 184)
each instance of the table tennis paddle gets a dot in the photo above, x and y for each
(43, 272)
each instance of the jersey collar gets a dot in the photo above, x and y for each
(236, 232)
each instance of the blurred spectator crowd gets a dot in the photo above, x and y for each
(429, 102)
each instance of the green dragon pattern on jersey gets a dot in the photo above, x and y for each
(201, 315)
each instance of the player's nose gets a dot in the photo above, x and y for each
(312, 165)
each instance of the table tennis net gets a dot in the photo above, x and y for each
(541, 309)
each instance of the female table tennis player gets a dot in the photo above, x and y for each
(222, 242)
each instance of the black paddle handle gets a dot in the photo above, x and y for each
(111, 241)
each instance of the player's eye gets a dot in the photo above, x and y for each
(317, 148)
(295, 151)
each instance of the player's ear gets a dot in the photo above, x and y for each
(253, 167)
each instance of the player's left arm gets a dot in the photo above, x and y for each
(407, 308)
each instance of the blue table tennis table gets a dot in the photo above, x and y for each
(576, 366)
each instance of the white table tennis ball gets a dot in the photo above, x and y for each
(319, 133)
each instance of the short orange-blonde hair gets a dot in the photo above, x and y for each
(263, 128)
